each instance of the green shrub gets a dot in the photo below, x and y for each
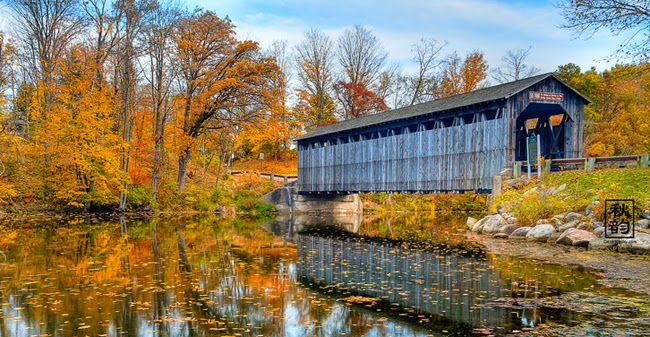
(263, 209)
(139, 196)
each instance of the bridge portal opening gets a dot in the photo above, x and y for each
(549, 121)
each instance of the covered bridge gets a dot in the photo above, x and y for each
(456, 143)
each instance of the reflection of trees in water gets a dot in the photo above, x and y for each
(448, 285)
(165, 277)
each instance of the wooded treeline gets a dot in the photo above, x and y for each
(115, 102)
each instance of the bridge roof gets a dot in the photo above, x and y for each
(438, 106)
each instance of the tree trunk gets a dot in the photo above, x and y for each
(127, 88)
(182, 168)
(284, 152)
(221, 160)
(155, 171)
(88, 204)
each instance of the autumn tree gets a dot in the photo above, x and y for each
(587, 17)
(283, 121)
(357, 101)
(388, 84)
(361, 56)
(513, 66)
(160, 73)
(461, 76)
(46, 29)
(84, 148)
(422, 87)
(102, 21)
(224, 80)
(616, 123)
(7, 64)
(126, 79)
(313, 60)
(9, 136)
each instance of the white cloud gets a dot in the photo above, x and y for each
(492, 26)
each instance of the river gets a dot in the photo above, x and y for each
(398, 275)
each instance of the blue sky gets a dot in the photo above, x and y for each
(492, 26)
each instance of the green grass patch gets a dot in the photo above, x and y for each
(534, 202)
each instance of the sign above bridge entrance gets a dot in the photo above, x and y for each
(545, 96)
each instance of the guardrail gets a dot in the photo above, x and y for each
(587, 164)
(273, 176)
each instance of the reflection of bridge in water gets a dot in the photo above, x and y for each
(446, 285)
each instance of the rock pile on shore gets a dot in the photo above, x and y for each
(570, 228)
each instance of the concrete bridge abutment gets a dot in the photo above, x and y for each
(286, 200)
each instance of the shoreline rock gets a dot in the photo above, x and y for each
(569, 228)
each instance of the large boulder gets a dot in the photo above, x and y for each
(639, 245)
(575, 237)
(572, 224)
(553, 238)
(571, 216)
(599, 231)
(517, 182)
(642, 224)
(478, 226)
(493, 224)
(646, 214)
(531, 191)
(508, 229)
(602, 244)
(584, 226)
(471, 222)
(520, 233)
(540, 233)
(589, 210)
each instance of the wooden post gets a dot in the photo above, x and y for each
(272, 176)
(516, 170)
(539, 161)
(643, 161)
(590, 163)
(547, 167)
(285, 180)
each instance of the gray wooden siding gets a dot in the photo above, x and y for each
(457, 158)
(573, 104)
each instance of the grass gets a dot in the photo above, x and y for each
(532, 202)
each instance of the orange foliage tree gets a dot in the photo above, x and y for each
(357, 101)
(83, 149)
(223, 79)
(618, 120)
(460, 76)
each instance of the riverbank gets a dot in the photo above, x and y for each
(568, 208)
(235, 194)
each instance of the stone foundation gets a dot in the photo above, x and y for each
(287, 201)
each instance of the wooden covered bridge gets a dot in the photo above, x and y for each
(457, 143)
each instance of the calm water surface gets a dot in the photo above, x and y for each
(411, 275)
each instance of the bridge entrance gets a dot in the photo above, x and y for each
(549, 121)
